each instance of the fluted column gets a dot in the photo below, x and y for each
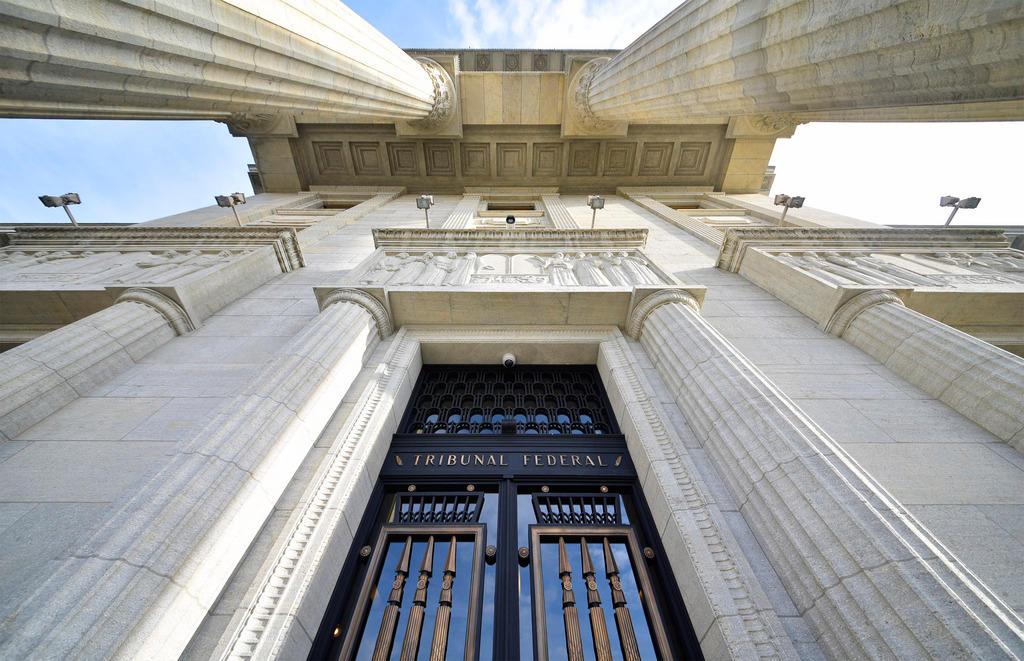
(865, 579)
(732, 57)
(978, 380)
(203, 59)
(48, 372)
(160, 561)
(463, 213)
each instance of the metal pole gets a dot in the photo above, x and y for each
(75, 222)
(426, 212)
(593, 217)
(950, 219)
(235, 209)
(785, 210)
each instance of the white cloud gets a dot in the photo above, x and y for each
(588, 24)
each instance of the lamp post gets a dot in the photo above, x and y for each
(957, 204)
(595, 202)
(425, 202)
(232, 201)
(788, 202)
(62, 201)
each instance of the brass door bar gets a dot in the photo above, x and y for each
(623, 621)
(389, 623)
(545, 534)
(573, 638)
(602, 645)
(408, 534)
(439, 644)
(411, 643)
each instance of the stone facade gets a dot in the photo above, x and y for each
(824, 415)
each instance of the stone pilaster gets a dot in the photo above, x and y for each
(866, 579)
(978, 380)
(718, 58)
(557, 212)
(462, 215)
(241, 61)
(44, 374)
(160, 560)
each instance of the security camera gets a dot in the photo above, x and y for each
(509, 360)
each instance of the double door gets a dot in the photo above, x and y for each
(510, 569)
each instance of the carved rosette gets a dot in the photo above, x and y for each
(579, 98)
(770, 124)
(242, 124)
(444, 96)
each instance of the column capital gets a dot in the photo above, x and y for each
(171, 311)
(848, 311)
(643, 309)
(445, 98)
(377, 310)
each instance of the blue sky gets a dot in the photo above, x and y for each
(134, 171)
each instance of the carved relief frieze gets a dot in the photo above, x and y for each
(106, 267)
(592, 268)
(904, 268)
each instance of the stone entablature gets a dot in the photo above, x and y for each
(50, 276)
(981, 269)
(483, 276)
(451, 268)
(967, 278)
(560, 258)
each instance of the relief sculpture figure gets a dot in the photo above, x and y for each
(612, 266)
(410, 270)
(384, 270)
(819, 268)
(639, 269)
(461, 271)
(588, 271)
(559, 269)
(436, 268)
(877, 267)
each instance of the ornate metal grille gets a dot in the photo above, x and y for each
(438, 507)
(577, 509)
(536, 399)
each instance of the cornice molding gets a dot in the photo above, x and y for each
(567, 239)
(643, 309)
(738, 241)
(847, 312)
(171, 311)
(380, 314)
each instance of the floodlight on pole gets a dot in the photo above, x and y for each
(232, 201)
(425, 202)
(62, 201)
(788, 202)
(595, 202)
(957, 204)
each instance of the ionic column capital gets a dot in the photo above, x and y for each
(380, 314)
(848, 311)
(171, 311)
(643, 309)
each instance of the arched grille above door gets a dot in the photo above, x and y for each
(528, 399)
